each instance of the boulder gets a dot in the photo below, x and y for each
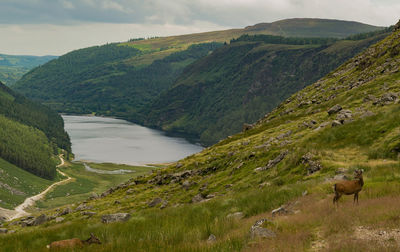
(237, 215)
(336, 123)
(117, 217)
(130, 191)
(279, 211)
(88, 213)
(83, 206)
(258, 231)
(197, 198)
(164, 204)
(65, 211)
(312, 165)
(186, 184)
(211, 238)
(40, 220)
(59, 219)
(334, 109)
(3, 231)
(247, 127)
(155, 202)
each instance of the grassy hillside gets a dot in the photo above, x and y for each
(240, 82)
(121, 79)
(13, 67)
(17, 184)
(300, 146)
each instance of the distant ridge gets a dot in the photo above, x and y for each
(311, 27)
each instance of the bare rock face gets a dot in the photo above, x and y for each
(258, 231)
(334, 109)
(117, 217)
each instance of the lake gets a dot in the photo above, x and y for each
(102, 139)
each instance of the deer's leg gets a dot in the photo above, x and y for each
(355, 200)
(336, 198)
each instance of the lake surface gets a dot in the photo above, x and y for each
(102, 139)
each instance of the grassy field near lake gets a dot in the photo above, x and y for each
(86, 183)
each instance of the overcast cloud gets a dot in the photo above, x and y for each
(58, 26)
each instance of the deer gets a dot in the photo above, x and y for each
(349, 187)
(74, 242)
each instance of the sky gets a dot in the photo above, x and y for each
(55, 27)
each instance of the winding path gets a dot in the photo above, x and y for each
(19, 211)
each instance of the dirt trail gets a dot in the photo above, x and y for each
(19, 211)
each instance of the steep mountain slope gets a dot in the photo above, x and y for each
(30, 134)
(120, 79)
(241, 81)
(13, 67)
(345, 121)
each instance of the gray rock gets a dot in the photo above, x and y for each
(130, 191)
(3, 230)
(334, 109)
(211, 238)
(388, 97)
(164, 204)
(247, 127)
(311, 165)
(59, 219)
(367, 114)
(210, 196)
(155, 202)
(279, 211)
(237, 215)
(258, 231)
(186, 184)
(336, 123)
(117, 217)
(65, 211)
(83, 206)
(197, 198)
(88, 213)
(179, 165)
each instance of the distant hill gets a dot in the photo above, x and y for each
(13, 67)
(123, 79)
(240, 82)
(311, 27)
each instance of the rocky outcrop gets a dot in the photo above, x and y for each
(3, 230)
(273, 162)
(155, 202)
(311, 165)
(198, 198)
(257, 230)
(247, 127)
(117, 217)
(334, 109)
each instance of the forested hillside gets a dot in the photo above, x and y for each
(97, 79)
(240, 82)
(13, 67)
(30, 134)
(230, 86)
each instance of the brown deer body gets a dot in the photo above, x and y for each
(349, 187)
(73, 243)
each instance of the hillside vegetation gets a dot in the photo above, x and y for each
(13, 67)
(31, 134)
(345, 121)
(124, 79)
(240, 82)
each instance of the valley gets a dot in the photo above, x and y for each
(319, 110)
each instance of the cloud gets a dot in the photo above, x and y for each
(235, 13)
(58, 26)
